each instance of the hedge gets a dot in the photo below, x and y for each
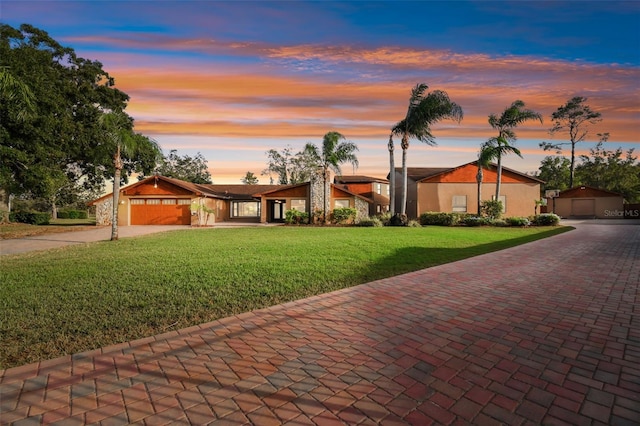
(72, 214)
(32, 218)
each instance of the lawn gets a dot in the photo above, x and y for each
(78, 298)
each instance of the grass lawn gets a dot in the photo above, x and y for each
(78, 298)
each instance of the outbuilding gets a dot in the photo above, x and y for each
(587, 202)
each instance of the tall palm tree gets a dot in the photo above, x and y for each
(120, 138)
(392, 177)
(423, 111)
(486, 155)
(510, 118)
(334, 152)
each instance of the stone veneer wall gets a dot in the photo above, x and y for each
(362, 209)
(317, 192)
(104, 212)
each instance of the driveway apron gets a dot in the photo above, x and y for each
(546, 332)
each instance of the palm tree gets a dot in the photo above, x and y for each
(118, 128)
(510, 118)
(422, 112)
(392, 177)
(334, 152)
(486, 155)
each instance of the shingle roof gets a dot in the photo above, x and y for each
(358, 179)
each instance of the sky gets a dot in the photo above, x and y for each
(231, 80)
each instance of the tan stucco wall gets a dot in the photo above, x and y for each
(604, 206)
(437, 197)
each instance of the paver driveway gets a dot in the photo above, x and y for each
(547, 332)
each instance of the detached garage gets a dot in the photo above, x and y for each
(587, 202)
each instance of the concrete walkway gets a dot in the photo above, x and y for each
(543, 333)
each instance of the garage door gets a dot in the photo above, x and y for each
(160, 211)
(585, 207)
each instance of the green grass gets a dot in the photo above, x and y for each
(82, 297)
(21, 230)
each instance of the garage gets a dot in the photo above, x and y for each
(160, 211)
(583, 207)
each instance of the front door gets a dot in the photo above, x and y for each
(277, 210)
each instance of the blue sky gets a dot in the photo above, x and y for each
(234, 79)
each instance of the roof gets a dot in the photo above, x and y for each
(358, 179)
(421, 173)
(587, 191)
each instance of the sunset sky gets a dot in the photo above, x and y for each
(232, 80)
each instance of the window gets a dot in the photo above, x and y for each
(184, 201)
(137, 201)
(378, 208)
(378, 188)
(300, 205)
(503, 199)
(459, 203)
(341, 204)
(245, 209)
(153, 202)
(168, 202)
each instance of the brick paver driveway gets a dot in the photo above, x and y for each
(546, 332)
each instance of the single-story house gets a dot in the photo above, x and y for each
(587, 202)
(455, 189)
(160, 200)
(373, 188)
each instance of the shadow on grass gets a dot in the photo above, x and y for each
(411, 259)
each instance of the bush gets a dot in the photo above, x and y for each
(492, 208)
(517, 221)
(414, 224)
(294, 217)
(32, 218)
(370, 222)
(499, 222)
(545, 219)
(72, 214)
(442, 219)
(476, 221)
(344, 215)
(385, 218)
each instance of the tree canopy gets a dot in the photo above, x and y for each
(61, 140)
(191, 169)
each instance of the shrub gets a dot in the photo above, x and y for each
(442, 219)
(295, 217)
(32, 218)
(492, 208)
(344, 215)
(517, 221)
(398, 220)
(72, 214)
(414, 224)
(370, 222)
(498, 222)
(385, 218)
(476, 221)
(546, 219)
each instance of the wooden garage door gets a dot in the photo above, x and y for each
(586, 207)
(160, 211)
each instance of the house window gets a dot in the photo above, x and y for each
(378, 188)
(245, 209)
(167, 202)
(459, 203)
(341, 204)
(184, 201)
(503, 199)
(300, 205)
(378, 208)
